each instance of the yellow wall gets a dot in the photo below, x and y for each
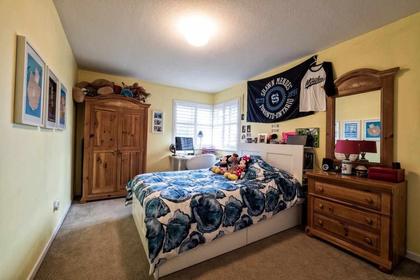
(360, 107)
(161, 99)
(35, 164)
(396, 44)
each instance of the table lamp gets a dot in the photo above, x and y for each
(200, 136)
(366, 147)
(347, 147)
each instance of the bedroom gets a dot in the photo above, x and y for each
(47, 233)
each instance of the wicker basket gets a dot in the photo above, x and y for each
(78, 95)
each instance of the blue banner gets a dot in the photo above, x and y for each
(276, 98)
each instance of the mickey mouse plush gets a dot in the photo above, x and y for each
(223, 165)
(232, 167)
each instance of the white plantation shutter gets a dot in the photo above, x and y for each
(218, 126)
(184, 119)
(219, 123)
(225, 125)
(190, 118)
(204, 124)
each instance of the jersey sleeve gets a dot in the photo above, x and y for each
(329, 86)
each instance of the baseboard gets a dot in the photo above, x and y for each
(47, 246)
(413, 256)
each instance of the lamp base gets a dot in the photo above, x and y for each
(346, 167)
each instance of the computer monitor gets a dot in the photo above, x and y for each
(184, 143)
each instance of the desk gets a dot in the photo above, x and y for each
(178, 162)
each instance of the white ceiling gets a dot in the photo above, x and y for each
(138, 37)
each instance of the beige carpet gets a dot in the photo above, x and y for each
(99, 240)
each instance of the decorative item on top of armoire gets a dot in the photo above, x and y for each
(101, 87)
(111, 137)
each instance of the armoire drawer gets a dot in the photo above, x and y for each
(362, 198)
(363, 218)
(352, 234)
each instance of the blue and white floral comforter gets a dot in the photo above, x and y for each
(184, 209)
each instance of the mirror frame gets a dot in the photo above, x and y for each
(360, 81)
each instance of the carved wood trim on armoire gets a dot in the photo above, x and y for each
(114, 144)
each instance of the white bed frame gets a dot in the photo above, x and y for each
(286, 157)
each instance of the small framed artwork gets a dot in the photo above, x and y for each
(262, 138)
(243, 138)
(51, 100)
(312, 135)
(62, 107)
(157, 121)
(248, 128)
(372, 130)
(29, 84)
(351, 130)
(243, 128)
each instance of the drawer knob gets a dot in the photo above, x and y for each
(369, 221)
(368, 240)
(321, 206)
(331, 209)
(369, 200)
(320, 222)
(320, 189)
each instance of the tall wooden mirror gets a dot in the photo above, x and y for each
(363, 109)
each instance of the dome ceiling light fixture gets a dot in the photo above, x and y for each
(197, 29)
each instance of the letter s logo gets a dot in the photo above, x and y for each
(275, 98)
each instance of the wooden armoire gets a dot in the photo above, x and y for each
(114, 144)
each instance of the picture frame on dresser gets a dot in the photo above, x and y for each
(29, 84)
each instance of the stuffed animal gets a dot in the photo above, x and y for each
(223, 165)
(233, 162)
(239, 170)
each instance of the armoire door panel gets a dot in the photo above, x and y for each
(104, 172)
(130, 135)
(105, 128)
(130, 166)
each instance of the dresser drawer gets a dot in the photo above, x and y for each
(367, 219)
(347, 232)
(362, 198)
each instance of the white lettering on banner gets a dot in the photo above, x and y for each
(284, 82)
(272, 116)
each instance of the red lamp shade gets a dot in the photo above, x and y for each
(347, 147)
(367, 146)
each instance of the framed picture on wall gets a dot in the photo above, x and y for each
(157, 122)
(372, 130)
(29, 84)
(351, 130)
(62, 97)
(262, 138)
(51, 100)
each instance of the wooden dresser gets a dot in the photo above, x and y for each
(366, 217)
(113, 144)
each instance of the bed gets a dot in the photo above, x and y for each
(186, 217)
